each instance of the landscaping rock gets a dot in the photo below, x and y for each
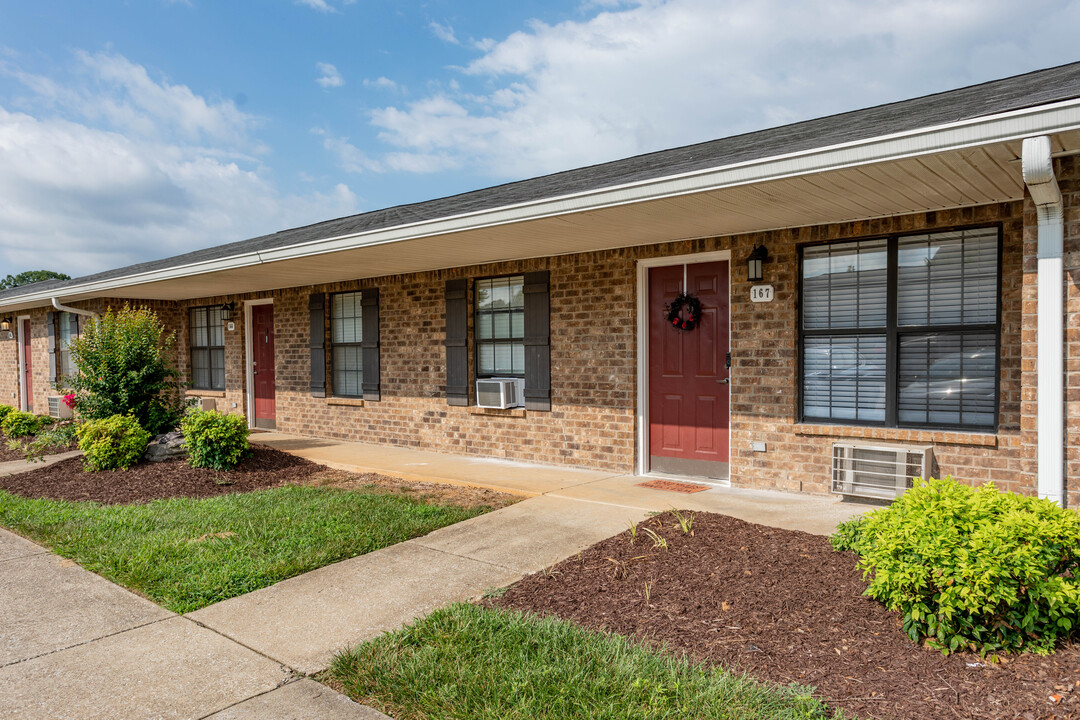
(165, 447)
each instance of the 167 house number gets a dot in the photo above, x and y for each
(761, 293)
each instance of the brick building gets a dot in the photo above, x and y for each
(919, 290)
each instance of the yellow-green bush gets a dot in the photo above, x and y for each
(4, 411)
(17, 424)
(972, 568)
(113, 443)
(215, 440)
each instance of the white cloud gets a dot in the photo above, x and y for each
(382, 83)
(114, 168)
(320, 5)
(444, 32)
(329, 77)
(638, 76)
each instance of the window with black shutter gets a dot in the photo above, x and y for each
(902, 331)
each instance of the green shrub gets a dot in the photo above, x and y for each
(125, 363)
(215, 440)
(848, 534)
(18, 424)
(4, 410)
(973, 568)
(114, 443)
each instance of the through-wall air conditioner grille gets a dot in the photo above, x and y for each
(879, 472)
(500, 393)
(58, 408)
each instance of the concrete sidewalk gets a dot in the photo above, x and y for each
(793, 511)
(73, 645)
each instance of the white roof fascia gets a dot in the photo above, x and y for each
(1003, 127)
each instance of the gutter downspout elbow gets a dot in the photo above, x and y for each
(1050, 370)
(64, 308)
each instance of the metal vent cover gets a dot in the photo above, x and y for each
(879, 472)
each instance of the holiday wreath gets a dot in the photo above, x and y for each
(692, 306)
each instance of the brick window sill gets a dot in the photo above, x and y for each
(509, 412)
(944, 437)
(346, 402)
(205, 393)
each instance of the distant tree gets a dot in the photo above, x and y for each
(31, 276)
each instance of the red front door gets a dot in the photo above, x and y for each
(688, 377)
(262, 357)
(28, 369)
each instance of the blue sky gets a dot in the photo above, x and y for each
(141, 129)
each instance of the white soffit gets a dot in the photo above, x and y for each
(846, 183)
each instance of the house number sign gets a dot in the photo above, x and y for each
(761, 293)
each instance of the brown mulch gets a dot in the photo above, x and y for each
(783, 607)
(7, 454)
(265, 467)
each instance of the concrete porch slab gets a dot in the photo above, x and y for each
(169, 669)
(48, 603)
(815, 514)
(12, 546)
(301, 700)
(302, 622)
(422, 465)
(534, 533)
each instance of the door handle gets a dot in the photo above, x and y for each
(725, 381)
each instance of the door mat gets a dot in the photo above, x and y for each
(673, 486)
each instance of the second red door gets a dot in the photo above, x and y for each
(262, 356)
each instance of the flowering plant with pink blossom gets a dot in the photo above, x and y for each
(69, 400)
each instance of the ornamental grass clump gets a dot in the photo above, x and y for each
(125, 363)
(215, 440)
(17, 424)
(114, 443)
(972, 568)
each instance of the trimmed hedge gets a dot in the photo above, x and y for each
(972, 568)
(114, 443)
(215, 440)
(17, 424)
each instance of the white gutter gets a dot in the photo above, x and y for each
(1043, 186)
(64, 308)
(1004, 127)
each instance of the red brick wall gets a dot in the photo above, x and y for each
(593, 354)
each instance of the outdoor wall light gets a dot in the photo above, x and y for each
(755, 262)
(5, 325)
(226, 311)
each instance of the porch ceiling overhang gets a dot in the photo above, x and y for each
(963, 164)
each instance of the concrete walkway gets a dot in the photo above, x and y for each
(73, 645)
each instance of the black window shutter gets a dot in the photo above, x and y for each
(537, 341)
(54, 347)
(457, 342)
(317, 307)
(369, 302)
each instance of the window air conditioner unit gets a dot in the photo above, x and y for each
(500, 393)
(879, 472)
(58, 409)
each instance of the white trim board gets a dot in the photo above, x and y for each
(249, 375)
(22, 360)
(641, 466)
(1014, 125)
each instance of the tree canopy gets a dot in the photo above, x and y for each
(31, 276)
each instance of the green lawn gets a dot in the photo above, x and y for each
(471, 662)
(186, 554)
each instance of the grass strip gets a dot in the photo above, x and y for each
(186, 553)
(480, 663)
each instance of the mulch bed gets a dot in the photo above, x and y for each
(66, 480)
(8, 455)
(264, 468)
(783, 607)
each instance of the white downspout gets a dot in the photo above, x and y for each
(1043, 186)
(64, 308)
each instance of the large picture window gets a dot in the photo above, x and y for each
(346, 336)
(902, 331)
(67, 329)
(206, 328)
(500, 327)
